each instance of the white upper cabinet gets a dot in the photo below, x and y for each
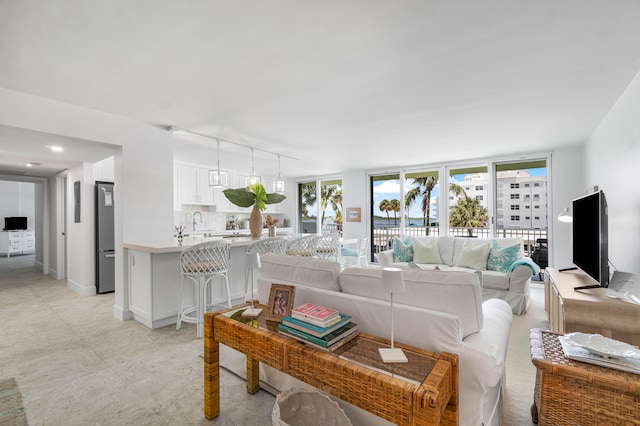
(194, 186)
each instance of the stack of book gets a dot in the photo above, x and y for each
(318, 326)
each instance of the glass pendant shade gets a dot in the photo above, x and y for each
(252, 178)
(218, 178)
(278, 181)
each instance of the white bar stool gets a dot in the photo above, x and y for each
(201, 264)
(277, 245)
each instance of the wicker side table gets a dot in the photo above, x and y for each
(569, 392)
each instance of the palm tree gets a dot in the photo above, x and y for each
(424, 187)
(308, 195)
(395, 207)
(468, 213)
(327, 192)
(384, 207)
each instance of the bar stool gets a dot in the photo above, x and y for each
(201, 264)
(277, 245)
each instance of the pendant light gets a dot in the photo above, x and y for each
(278, 181)
(218, 178)
(252, 178)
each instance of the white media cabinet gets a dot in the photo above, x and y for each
(12, 242)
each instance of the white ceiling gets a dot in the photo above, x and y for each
(338, 84)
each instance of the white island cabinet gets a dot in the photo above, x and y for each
(153, 275)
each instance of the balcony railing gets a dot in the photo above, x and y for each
(383, 236)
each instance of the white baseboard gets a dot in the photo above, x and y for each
(122, 314)
(80, 289)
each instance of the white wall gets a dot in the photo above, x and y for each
(143, 168)
(612, 157)
(355, 193)
(17, 199)
(566, 184)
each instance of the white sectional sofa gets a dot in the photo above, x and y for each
(504, 271)
(440, 311)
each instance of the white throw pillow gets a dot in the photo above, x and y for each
(474, 257)
(426, 251)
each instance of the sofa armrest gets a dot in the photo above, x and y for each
(491, 343)
(385, 258)
(519, 279)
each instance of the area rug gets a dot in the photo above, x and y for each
(11, 410)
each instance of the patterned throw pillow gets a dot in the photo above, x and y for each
(473, 256)
(402, 250)
(501, 258)
(426, 251)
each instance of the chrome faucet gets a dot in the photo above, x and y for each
(194, 219)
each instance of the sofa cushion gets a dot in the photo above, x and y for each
(309, 271)
(457, 293)
(473, 255)
(445, 247)
(402, 249)
(501, 257)
(426, 251)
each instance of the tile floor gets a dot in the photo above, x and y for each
(76, 364)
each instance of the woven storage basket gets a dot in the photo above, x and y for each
(307, 408)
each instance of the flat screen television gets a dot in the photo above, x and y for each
(15, 223)
(590, 238)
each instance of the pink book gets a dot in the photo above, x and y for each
(315, 312)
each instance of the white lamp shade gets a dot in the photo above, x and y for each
(253, 261)
(391, 280)
(565, 216)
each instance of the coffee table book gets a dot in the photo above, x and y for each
(315, 330)
(325, 341)
(316, 314)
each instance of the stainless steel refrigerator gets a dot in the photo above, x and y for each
(105, 247)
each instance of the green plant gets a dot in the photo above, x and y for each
(255, 195)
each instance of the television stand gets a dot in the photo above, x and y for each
(573, 268)
(584, 287)
(588, 311)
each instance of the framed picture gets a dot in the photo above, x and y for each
(280, 301)
(353, 214)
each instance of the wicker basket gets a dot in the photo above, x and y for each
(307, 408)
(575, 393)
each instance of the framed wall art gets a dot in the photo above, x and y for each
(353, 214)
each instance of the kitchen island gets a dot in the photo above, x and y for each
(152, 272)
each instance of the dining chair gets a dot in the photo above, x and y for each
(355, 250)
(302, 246)
(328, 246)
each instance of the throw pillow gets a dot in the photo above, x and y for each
(402, 250)
(426, 251)
(474, 256)
(501, 258)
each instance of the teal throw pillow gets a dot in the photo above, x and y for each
(402, 250)
(501, 258)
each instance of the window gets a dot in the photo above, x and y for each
(537, 217)
(329, 208)
(515, 207)
(526, 181)
(469, 212)
(307, 207)
(422, 194)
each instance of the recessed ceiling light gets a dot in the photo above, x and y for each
(56, 148)
(33, 164)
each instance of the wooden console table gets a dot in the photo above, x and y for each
(590, 310)
(432, 399)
